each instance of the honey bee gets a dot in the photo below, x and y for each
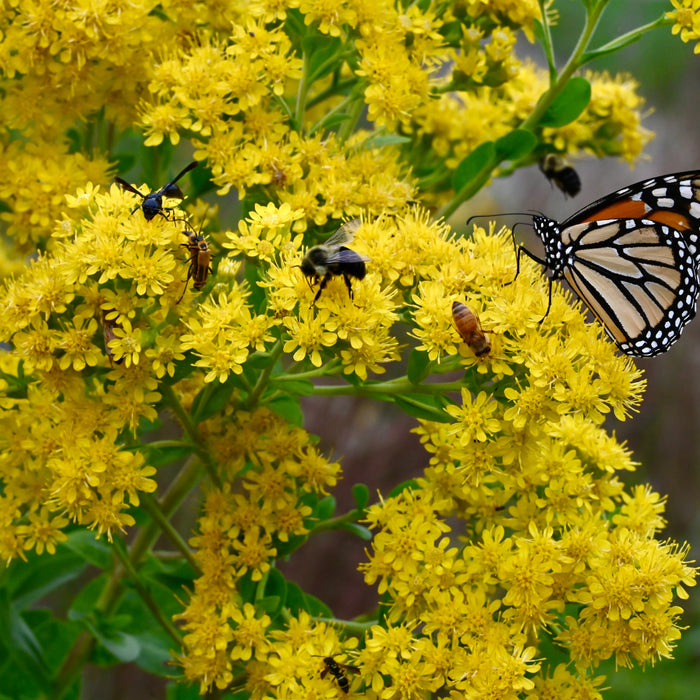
(338, 672)
(469, 328)
(153, 202)
(200, 261)
(330, 259)
(558, 171)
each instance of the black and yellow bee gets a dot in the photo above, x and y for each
(558, 171)
(331, 259)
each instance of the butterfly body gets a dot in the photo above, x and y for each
(632, 258)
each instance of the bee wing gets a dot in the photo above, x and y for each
(345, 233)
(345, 255)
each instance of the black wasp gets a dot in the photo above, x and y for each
(338, 672)
(153, 202)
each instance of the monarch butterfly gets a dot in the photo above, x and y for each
(558, 171)
(632, 257)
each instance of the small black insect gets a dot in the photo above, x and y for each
(338, 672)
(558, 171)
(200, 261)
(330, 259)
(153, 202)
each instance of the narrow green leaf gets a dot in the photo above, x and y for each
(90, 549)
(515, 145)
(121, 645)
(610, 47)
(211, 399)
(419, 365)
(480, 160)
(321, 54)
(424, 406)
(360, 531)
(569, 105)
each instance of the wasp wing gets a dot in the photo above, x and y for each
(171, 189)
(127, 186)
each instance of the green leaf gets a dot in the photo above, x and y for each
(364, 533)
(298, 600)
(569, 105)
(30, 581)
(321, 53)
(424, 406)
(90, 549)
(288, 407)
(326, 508)
(419, 365)
(478, 162)
(410, 485)
(380, 140)
(515, 145)
(20, 641)
(211, 399)
(360, 493)
(610, 47)
(121, 645)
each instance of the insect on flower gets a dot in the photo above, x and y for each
(330, 259)
(632, 257)
(200, 260)
(558, 171)
(338, 672)
(108, 328)
(153, 202)
(469, 328)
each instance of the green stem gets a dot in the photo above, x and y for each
(151, 506)
(335, 523)
(572, 65)
(400, 385)
(191, 429)
(351, 627)
(264, 377)
(147, 598)
(113, 589)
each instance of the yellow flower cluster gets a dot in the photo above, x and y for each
(239, 534)
(519, 535)
(686, 21)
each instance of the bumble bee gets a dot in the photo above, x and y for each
(153, 202)
(338, 672)
(469, 328)
(558, 171)
(332, 258)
